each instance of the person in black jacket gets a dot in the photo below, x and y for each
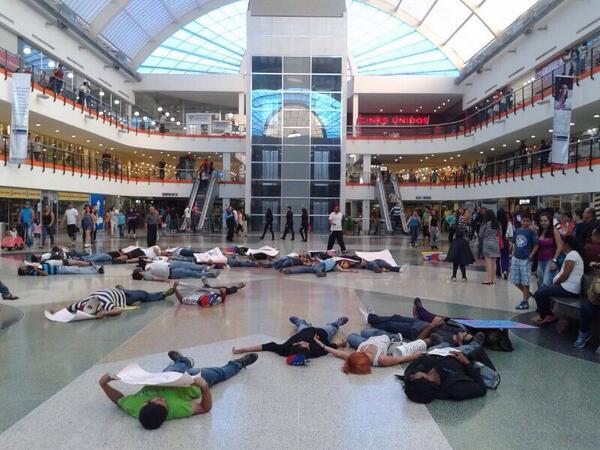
(457, 376)
(289, 223)
(268, 224)
(304, 225)
(303, 342)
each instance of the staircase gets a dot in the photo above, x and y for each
(204, 197)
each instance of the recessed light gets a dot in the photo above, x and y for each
(458, 156)
(135, 151)
(451, 157)
(73, 136)
(87, 140)
(137, 113)
(550, 130)
(399, 157)
(503, 145)
(27, 51)
(421, 160)
(492, 149)
(70, 75)
(532, 136)
(481, 152)
(159, 109)
(58, 131)
(445, 160)
(100, 145)
(101, 93)
(572, 123)
(518, 140)
(37, 124)
(112, 148)
(167, 113)
(380, 109)
(596, 116)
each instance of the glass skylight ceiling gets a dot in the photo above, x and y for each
(213, 43)
(385, 36)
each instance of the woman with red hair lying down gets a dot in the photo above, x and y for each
(372, 348)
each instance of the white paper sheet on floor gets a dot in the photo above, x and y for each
(134, 374)
(213, 255)
(372, 256)
(269, 251)
(444, 351)
(65, 316)
(129, 249)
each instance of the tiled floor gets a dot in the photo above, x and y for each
(49, 371)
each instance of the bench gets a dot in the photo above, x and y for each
(567, 309)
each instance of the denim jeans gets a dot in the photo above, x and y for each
(381, 264)
(586, 313)
(542, 298)
(406, 326)
(97, 258)
(283, 262)
(544, 274)
(4, 289)
(212, 375)
(76, 270)
(319, 267)
(135, 295)
(433, 236)
(28, 227)
(331, 328)
(234, 262)
(187, 266)
(47, 231)
(414, 234)
(177, 274)
(355, 339)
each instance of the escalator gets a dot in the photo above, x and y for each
(396, 190)
(382, 196)
(203, 196)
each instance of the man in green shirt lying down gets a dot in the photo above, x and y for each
(152, 405)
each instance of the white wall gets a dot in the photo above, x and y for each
(569, 22)
(23, 20)
(158, 82)
(375, 84)
(8, 40)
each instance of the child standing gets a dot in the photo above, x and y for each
(525, 241)
(37, 232)
(460, 255)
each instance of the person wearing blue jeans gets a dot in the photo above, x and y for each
(320, 269)
(137, 295)
(98, 258)
(283, 262)
(152, 405)
(6, 295)
(355, 339)
(586, 314)
(234, 262)
(330, 329)
(379, 265)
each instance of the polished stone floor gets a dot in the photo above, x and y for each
(49, 371)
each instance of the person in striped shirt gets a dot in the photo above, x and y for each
(111, 301)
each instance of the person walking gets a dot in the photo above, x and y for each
(48, 223)
(413, 224)
(229, 222)
(6, 294)
(335, 226)
(489, 241)
(434, 230)
(506, 230)
(70, 218)
(114, 221)
(94, 223)
(289, 223)
(26, 218)
(86, 226)
(304, 225)
(268, 224)
(152, 222)
(131, 223)
(396, 213)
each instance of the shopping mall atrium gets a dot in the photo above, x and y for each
(305, 224)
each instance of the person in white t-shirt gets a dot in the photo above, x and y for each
(187, 218)
(335, 226)
(70, 218)
(566, 283)
(172, 270)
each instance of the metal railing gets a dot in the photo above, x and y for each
(494, 110)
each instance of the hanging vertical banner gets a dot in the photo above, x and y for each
(20, 117)
(563, 95)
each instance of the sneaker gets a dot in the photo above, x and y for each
(342, 321)
(321, 274)
(175, 356)
(371, 309)
(294, 320)
(464, 280)
(582, 339)
(523, 305)
(397, 337)
(246, 360)
(453, 279)
(101, 269)
(204, 281)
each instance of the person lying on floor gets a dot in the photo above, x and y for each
(59, 262)
(372, 348)
(321, 268)
(6, 294)
(302, 346)
(111, 301)
(60, 254)
(172, 270)
(412, 329)
(377, 265)
(121, 257)
(465, 373)
(152, 405)
(185, 252)
(206, 295)
(234, 262)
(45, 269)
(283, 262)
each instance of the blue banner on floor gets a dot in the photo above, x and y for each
(493, 324)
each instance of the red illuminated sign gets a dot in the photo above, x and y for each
(393, 119)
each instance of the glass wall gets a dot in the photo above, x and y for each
(296, 110)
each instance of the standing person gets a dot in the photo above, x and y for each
(243, 221)
(121, 223)
(413, 224)
(106, 223)
(525, 241)
(506, 230)
(396, 213)
(434, 229)
(94, 223)
(86, 226)
(26, 218)
(131, 223)
(549, 249)
(161, 169)
(70, 218)
(152, 221)
(304, 225)
(289, 223)
(490, 245)
(268, 224)
(460, 255)
(229, 222)
(114, 221)
(187, 218)
(162, 121)
(335, 226)
(48, 223)
(425, 224)
(451, 221)
(584, 232)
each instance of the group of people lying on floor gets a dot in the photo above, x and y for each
(444, 363)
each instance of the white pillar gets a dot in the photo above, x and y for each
(227, 166)
(241, 103)
(366, 168)
(366, 216)
(354, 113)
(353, 209)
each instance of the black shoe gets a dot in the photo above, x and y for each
(101, 269)
(175, 355)
(246, 360)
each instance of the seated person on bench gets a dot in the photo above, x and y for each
(152, 405)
